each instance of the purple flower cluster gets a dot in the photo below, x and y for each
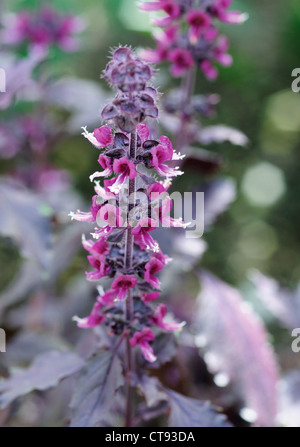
(189, 36)
(43, 28)
(123, 248)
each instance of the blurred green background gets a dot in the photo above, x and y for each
(261, 228)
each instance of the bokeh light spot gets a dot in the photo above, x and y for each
(263, 184)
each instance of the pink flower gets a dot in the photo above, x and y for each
(104, 135)
(199, 21)
(43, 28)
(87, 217)
(209, 70)
(119, 290)
(219, 9)
(151, 268)
(94, 319)
(158, 319)
(101, 269)
(170, 7)
(69, 26)
(164, 259)
(100, 138)
(142, 236)
(210, 34)
(97, 249)
(122, 284)
(154, 56)
(148, 297)
(107, 184)
(104, 194)
(161, 153)
(155, 190)
(142, 339)
(106, 163)
(162, 213)
(220, 52)
(126, 168)
(111, 215)
(164, 39)
(167, 36)
(181, 60)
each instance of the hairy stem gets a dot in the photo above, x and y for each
(129, 299)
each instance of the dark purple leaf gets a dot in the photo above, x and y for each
(95, 390)
(65, 247)
(27, 279)
(25, 346)
(156, 400)
(21, 218)
(187, 412)
(203, 160)
(282, 303)
(151, 389)
(31, 277)
(236, 346)
(46, 371)
(220, 134)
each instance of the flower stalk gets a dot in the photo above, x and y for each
(122, 247)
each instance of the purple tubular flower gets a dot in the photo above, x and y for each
(87, 217)
(142, 339)
(142, 236)
(122, 284)
(158, 320)
(151, 268)
(170, 7)
(44, 28)
(100, 138)
(181, 60)
(104, 135)
(199, 21)
(112, 215)
(126, 169)
(95, 318)
(219, 10)
(161, 154)
(106, 164)
(190, 37)
(149, 297)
